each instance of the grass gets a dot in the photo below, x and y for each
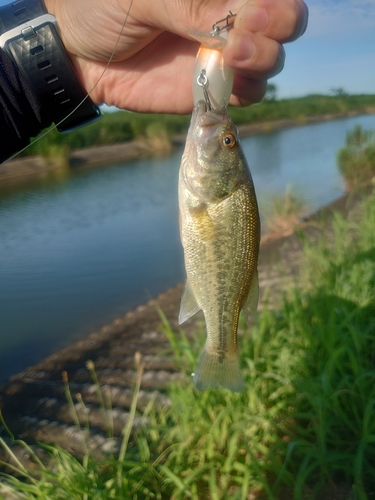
(282, 213)
(124, 126)
(304, 427)
(301, 108)
(113, 128)
(356, 160)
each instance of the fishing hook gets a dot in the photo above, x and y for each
(202, 81)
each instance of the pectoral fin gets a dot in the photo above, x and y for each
(189, 305)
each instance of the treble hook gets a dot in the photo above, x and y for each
(202, 81)
(228, 20)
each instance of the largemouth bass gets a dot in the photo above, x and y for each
(220, 234)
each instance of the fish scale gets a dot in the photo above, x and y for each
(219, 219)
(220, 234)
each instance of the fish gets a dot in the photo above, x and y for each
(220, 235)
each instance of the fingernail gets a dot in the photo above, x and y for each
(243, 48)
(252, 18)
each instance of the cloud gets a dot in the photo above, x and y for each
(345, 17)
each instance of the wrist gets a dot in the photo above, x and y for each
(30, 36)
(74, 35)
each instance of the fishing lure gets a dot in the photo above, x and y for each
(213, 79)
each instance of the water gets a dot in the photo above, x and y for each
(78, 251)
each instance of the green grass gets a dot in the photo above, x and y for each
(356, 160)
(303, 107)
(123, 126)
(282, 213)
(112, 128)
(305, 423)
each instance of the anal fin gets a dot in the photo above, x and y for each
(189, 305)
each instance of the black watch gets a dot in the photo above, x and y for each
(30, 35)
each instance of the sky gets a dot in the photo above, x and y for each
(336, 51)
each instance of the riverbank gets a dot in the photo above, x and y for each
(35, 406)
(33, 402)
(34, 167)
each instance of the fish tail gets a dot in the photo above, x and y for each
(214, 370)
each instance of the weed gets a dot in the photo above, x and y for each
(356, 161)
(302, 428)
(282, 214)
(123, 126)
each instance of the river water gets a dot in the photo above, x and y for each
(78, 250)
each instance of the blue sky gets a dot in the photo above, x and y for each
(337, 50)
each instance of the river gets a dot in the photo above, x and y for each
(80, 249)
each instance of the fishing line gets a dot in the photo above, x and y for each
(88, 94)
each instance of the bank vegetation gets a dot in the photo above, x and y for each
(356, 160)
(122, 126)
(302, 429)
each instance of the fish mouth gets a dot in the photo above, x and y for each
(201, 107)
(205, 117)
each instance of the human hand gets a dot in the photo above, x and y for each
(153, 63)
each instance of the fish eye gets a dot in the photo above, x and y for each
(229, 141)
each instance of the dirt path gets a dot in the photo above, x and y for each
(33, 402)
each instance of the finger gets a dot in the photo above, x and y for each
(281, 20)
(247, 91)
(253, 55)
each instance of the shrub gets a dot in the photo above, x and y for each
(356, 160)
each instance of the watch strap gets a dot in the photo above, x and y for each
(29, 34)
